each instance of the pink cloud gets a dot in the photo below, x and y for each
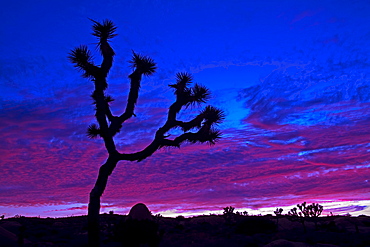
(263, 163)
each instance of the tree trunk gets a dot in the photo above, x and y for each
(93, 220)
(94, 204)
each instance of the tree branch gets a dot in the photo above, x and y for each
(108, 54)
(204, 122)
(133, 95)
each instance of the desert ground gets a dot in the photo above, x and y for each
(211, 230)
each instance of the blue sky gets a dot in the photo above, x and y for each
(292, 77)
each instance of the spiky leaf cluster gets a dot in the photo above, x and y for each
(93, 131)
(143, 64)
(189, 96)
(208, 117)
(211, 136)
(213, 115)
(199, 94)
(105, 30)
(80, 56)
(204, 135)
(82, 59)
(183, 79)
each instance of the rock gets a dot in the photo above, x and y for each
(140, 212)
(140, 228)
(7, 238)
(12, 226)
(58, 224)
(286, 243)
(212, 220)
(349, 224)
(285, 224)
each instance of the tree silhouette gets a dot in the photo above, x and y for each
(313, 210)
(278, 213)
(198, 130)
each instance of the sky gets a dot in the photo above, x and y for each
(293, 78)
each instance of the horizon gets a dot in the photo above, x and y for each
(292, 78)
(171, 214)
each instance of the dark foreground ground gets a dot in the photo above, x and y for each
(214, 231)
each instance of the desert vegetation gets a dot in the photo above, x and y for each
(234, 229)
(200, 129)
(313, 211)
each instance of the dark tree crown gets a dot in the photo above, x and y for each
(82, 59)
(213, 115)
(201, 129)
(104, 31)
(144, 64)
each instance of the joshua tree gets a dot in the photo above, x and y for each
(229, 214)
(313, 210)
(297, 216)
(199, 130)
(229, 210)
(278, 213)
